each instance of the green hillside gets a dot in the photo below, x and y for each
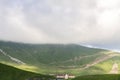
(46, 53)
(11, 73)
(55, 58)
(99, 77)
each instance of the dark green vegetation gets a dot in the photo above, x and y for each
(99, 77)
(11, 73)
(57, 58)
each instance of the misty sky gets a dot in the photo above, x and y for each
(92, 22)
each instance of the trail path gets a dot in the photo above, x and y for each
(100, 60)
(12, 58)
(114, 69)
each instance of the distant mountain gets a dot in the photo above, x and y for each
(11, 73)
(56, 58)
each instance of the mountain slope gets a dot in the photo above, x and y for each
(58, 53)
(11, 73)
(99, 77)
(52, 58)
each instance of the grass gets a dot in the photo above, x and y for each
(99, 77)
(11, 73)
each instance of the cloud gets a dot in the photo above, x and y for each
(60, 21)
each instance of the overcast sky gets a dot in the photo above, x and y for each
(94, 22)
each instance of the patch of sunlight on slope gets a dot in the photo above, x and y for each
(105, 66)
(27, 67)
(22, 66)
(108, 52)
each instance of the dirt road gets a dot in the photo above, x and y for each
(114, 69)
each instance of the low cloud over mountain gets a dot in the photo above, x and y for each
(60, 21)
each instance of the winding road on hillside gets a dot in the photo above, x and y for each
(114, 69)
(100, 60)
